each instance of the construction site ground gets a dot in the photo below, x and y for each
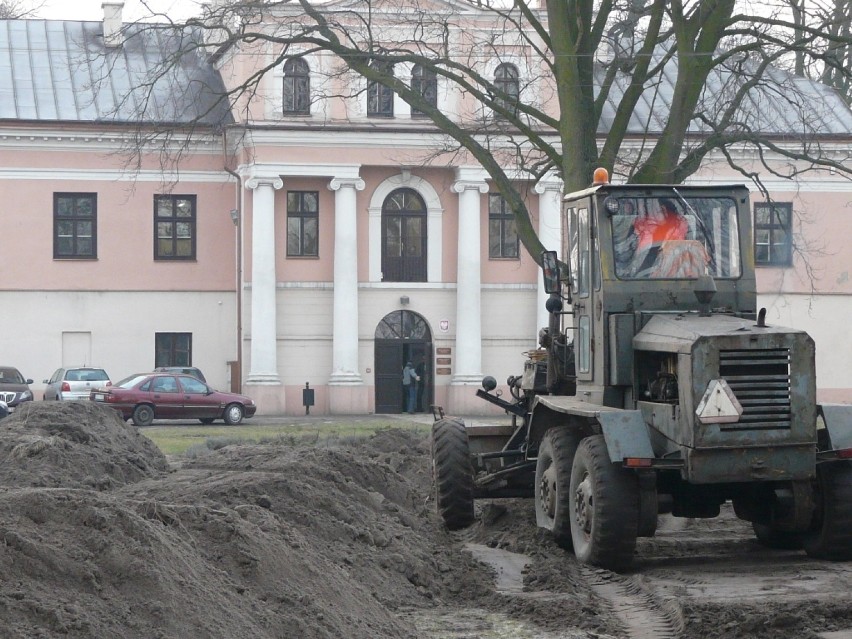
(103, 536)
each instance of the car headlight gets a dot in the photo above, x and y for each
(26, 396)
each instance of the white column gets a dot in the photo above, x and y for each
(468, 350)
(345, 368)
(264, 322)
(549, 190)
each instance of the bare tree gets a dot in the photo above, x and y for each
(17, 9)
(645, 88)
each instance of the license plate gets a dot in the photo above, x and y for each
(99, 397)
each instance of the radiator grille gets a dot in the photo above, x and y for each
(7, 397)
(760, 380)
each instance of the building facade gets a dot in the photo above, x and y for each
(316, 236)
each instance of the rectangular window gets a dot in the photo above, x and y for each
(174, 227)
(502, 231)
(773, 239)
(302, 224)
(379, 96)
(172, 349)
(75, 225)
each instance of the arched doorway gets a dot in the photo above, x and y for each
(402, 336)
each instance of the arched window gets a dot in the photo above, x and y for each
(379, 96)
(506, 81)
(425, 82)
(297, 86)
(404, 237)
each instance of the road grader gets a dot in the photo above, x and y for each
(658, 388)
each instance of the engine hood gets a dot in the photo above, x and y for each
(678, 333)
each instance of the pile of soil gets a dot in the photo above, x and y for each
(102, 538)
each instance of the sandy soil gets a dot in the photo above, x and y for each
(104, 537)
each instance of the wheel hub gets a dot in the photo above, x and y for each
(547, 491)
(583, 503)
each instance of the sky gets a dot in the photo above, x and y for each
(133, 9)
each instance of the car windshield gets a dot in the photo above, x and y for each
(129, 382)
(675, 237)
(86, 375)
(11, 376)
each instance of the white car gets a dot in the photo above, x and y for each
(75, 383)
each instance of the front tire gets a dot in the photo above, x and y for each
(604, 501)
(143, 415)
(553, 483)
(452, 473)
(831, 535)
(233, 414)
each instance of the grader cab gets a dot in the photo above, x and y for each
(658, 388)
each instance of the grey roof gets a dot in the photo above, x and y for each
(779, 104)
(53, 70)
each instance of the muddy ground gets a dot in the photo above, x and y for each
(104, 537)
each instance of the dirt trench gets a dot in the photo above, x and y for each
(105, 537)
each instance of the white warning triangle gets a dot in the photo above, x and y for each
(719, 404)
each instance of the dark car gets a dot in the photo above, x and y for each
(14, 388)
(145, 397)
(186, 370)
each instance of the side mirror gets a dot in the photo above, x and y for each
(550, 270)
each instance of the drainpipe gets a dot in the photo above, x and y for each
(239, 285)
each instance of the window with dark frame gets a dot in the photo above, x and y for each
(302, 224)
(773, 240)
(174, 227)
(502, 231)
(75, 225)
(380, 97)
(506, 80)
(425, 83)
(172, 349)
(297, 87)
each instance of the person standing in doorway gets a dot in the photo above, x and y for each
(420, 369)
(409, 387)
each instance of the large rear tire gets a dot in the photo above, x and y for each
(553, 483)
(831, 534)
(604, 500)
(452, 473)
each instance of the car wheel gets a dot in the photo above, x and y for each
(233, 414)
(143, 415)
(206, 420)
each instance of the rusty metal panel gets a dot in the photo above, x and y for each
(626, 435)
(736, 464)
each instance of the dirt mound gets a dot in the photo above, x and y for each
(73, 445)
(101, 538)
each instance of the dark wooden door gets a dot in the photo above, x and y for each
(389, 376)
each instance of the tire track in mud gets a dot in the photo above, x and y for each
(635, 606)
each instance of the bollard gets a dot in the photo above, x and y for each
(307, 398)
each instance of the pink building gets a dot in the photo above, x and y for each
(312, 235)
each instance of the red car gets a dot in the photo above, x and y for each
(148, 396)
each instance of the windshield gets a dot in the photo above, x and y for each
(10, 376)
(675, 237)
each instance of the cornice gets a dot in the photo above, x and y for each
(113, 175)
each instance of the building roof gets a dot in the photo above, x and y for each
(53, 70)
(780, 104)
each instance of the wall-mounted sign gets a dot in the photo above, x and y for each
(444, 361)
(443, 371)
(445, 325)
(443, 350)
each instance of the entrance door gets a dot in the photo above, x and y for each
(402, 336)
